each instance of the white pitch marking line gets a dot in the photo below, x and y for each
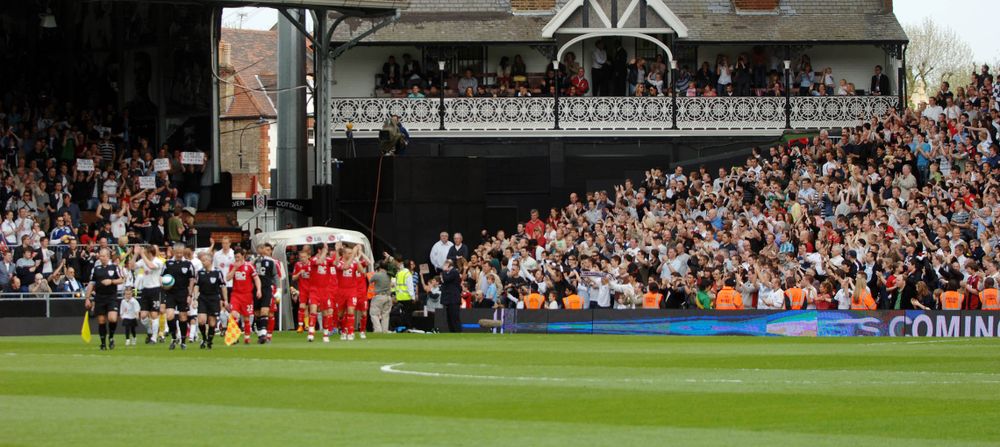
(392, 369)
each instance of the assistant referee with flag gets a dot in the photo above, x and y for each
(103, 286)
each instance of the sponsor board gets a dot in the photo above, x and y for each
(789, 323)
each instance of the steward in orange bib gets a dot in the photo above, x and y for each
(795, 297)
(861, 299)
(573, 302)
(990, 296)
(728, 298)
(534, 300)
(952, 298)
(652, 298)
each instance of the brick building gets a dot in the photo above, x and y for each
(248, 126)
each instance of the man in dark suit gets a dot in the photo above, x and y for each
(390, 74)
(451, 295)
(880, 83)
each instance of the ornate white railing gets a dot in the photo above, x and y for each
(588, 114)
(838, 111)
(615, 113)
(731, 113)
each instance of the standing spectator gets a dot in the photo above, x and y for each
(451, 299)
(619, 66)
(535, 228)
(880, 83)
(598, 69)
(458, 250)
(8, 270)
(391, 74)
(440, 250)
(381, 304)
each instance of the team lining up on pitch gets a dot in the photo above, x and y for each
(140, 285)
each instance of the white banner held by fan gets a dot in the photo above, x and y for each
(161, 164)
(84, 164)
(193, 158)
(147, 182)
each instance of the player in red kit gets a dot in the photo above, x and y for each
(321, 277)
(300, 274)
(351, 281)
(330, 316)
(361, 291)
(246, 283)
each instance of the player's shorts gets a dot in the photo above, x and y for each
(346, 298)
(149, 299)
(104, 305)
(209, 305)
(320, 298)
(242, 304)
(177, 301)
(362, 305)
(305, 294)
(266, 295)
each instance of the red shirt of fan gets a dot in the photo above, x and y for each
(305, 269)
(243, 279)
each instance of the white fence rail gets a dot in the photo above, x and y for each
(465, 116)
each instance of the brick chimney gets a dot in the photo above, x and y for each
(887, 6)
(532, 5)
(756, 5)
(226, 71)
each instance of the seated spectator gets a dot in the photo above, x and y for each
(467, 82)
(579, 83)
(415, 92)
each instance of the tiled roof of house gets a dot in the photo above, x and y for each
(254, 58)
(706, 20)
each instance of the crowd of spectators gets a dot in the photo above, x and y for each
(902, 212)
(75, 179)
(617, 74)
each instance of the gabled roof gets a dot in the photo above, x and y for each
(600, 16)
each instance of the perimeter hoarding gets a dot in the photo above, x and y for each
(801, 323)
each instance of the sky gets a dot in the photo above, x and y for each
(972, 18)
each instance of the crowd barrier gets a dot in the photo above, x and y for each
(767, 323)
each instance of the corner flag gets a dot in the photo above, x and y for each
(85, 330)
(232, 331)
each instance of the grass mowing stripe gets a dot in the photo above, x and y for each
(291, 380)
(202, 425)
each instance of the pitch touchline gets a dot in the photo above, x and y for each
(392, 368)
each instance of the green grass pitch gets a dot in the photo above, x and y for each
(504, 390)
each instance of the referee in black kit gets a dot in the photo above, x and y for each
(104, 280)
